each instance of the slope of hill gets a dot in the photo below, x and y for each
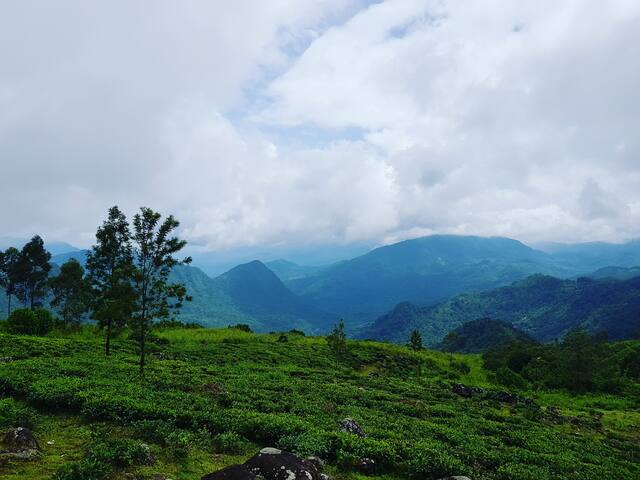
(481, 335)
(425, 270)
(587, 257)
(619, 273)
(288, 271)
(541, 306)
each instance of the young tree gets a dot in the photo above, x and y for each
(337, 341)
(8, 262)
(31, 272)
(415, 341)
(154, 259)
(110, 272)
(71, 292)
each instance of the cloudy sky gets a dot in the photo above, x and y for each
(287, 122)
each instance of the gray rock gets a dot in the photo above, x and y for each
(233, 472)
(20, 439)
(274, 464)
(350, 425)
(317, 462)
(366, 466)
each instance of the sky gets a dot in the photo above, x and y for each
(289, 124)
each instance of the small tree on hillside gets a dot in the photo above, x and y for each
(110, 274)
(337, 341)
(415, 340)
(8, 263)
(153, 260)
(31, 272)
(71, 292)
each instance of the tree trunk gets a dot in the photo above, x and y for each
(107, 343)
(142, 345)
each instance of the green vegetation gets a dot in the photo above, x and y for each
(543, 307)
(481, 335)
(213, 397)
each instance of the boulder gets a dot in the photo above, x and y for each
(366, 466)
(466, 391)
(274, 464)
(350, 425)
(233, 472)
(317, 462)
(20, 439)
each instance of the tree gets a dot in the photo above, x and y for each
(31, 321)
(71, 293)
(31, 272)
(415, 340)
(110, 272)
(8, 262)
(154, 259)
(337, 341)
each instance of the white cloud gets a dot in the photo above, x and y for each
(271, 123)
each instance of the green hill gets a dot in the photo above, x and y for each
(541, 306)
(212, 398)
(481, 335)
(423, 270)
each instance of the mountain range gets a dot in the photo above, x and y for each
(541, 306)
(390, 289)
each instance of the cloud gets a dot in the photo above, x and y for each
(293, 123)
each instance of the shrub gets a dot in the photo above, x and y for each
(242, 326)
(12, 414)
(509, 378)
(25, 321)
(87, 469)
(230, 443)
(320, 444)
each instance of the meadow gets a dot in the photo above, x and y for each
(213, 397)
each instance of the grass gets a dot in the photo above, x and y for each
(213, 397)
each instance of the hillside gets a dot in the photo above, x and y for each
(544, 307)
(424, 270)
(481, 335)
(619, 273)
(214, 398)
(587, 257)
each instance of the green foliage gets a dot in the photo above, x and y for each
(293, 396)
(481, 335)
(31, 272)
(415, 340)
(71, 292)
(337, 341)
(39, 321)
(242, 327)
(14, 414)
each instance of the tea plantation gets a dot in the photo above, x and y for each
(211, 398)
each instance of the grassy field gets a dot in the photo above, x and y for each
(213, 397)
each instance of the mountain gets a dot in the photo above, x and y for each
(423, 270)
(587, 257)
(481, 335)
(620, 273)
(54, 248)
(288, 271)
(541, 306)
(251, 294)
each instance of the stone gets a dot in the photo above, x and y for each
(351, 426)
(466, 391)
(20, 439)
(366, 466)
(317, 462)
(275, 464)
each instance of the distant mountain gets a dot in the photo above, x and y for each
(249, 293)
(541, 306)
(587, 257)
(54, 248)
(481, 335)
(79, 255)
(288, 271)
(423, 270)
(620, 273)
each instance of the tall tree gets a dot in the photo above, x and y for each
(32, 271)
(415, 340)
(71, 293)
(110, 271)
(337, 341)
(154, 259)
(8, 262)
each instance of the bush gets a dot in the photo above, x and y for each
(230, 443)
(87, 469)
(25, 321)
(509, 378)
(12, 414)
(242, 326)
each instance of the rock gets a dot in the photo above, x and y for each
(324, 476)
(20, 439)
(283, 339)
(350, 425)
(148, 457)
(366, 466)
(233, 472)
(274, 464)
(456, 477)
(504, 397)
(317, 462)
(466, 391)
